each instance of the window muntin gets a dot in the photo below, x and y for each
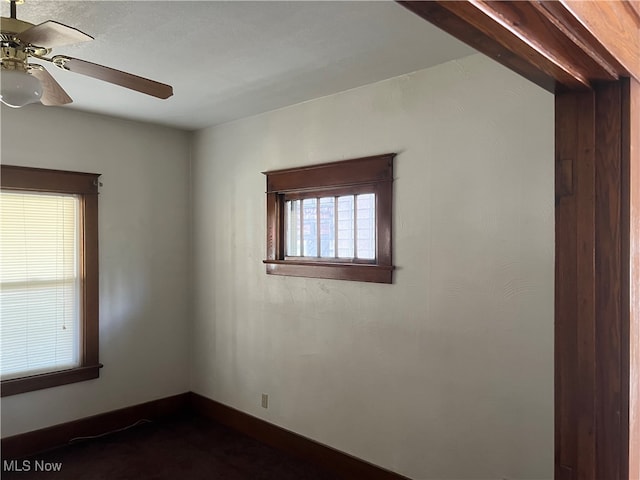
(39, 283)
(331, 220)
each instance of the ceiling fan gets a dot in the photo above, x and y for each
(23, 82)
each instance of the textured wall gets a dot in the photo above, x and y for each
(447, 373)
(144, 275)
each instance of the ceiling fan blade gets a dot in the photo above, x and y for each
(52, 34)
(111, 75)
(52, 92)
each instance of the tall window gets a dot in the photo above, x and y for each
(49, 275)
(331, 220)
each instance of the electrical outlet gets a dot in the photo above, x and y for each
(265, 400)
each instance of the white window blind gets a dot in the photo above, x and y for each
(39, 296)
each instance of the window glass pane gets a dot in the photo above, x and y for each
(327, 227)
(292, 226)
(366, 224)
(310, 227)
(345, 226)
(332, 223)
(39, 291)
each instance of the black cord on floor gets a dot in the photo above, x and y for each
(139, 422)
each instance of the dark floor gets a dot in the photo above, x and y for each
(182, 448)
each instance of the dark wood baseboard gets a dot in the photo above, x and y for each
(37, 441)
(330, 459)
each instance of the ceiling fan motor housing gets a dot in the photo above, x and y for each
(12, 54)
(13, 58)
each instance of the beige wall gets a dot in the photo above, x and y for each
(144, 276)
(447, 373)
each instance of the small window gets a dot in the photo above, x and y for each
(48, 278)
(331, 220)
(337, 228)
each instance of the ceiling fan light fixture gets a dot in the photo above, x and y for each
(19, 88)
(22, 83)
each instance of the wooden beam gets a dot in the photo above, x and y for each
(631, 149)
(597, 356)
(547, 42)
(612, 283)
(615, 27)
(572, 27)
(483, 40)
(575, 307)
(533, 34)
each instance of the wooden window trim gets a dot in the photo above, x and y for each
(85, 186)
(368, 174)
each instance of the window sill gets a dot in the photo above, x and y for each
(331, 270)
(15, 386)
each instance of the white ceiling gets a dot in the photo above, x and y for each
(228, 60)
